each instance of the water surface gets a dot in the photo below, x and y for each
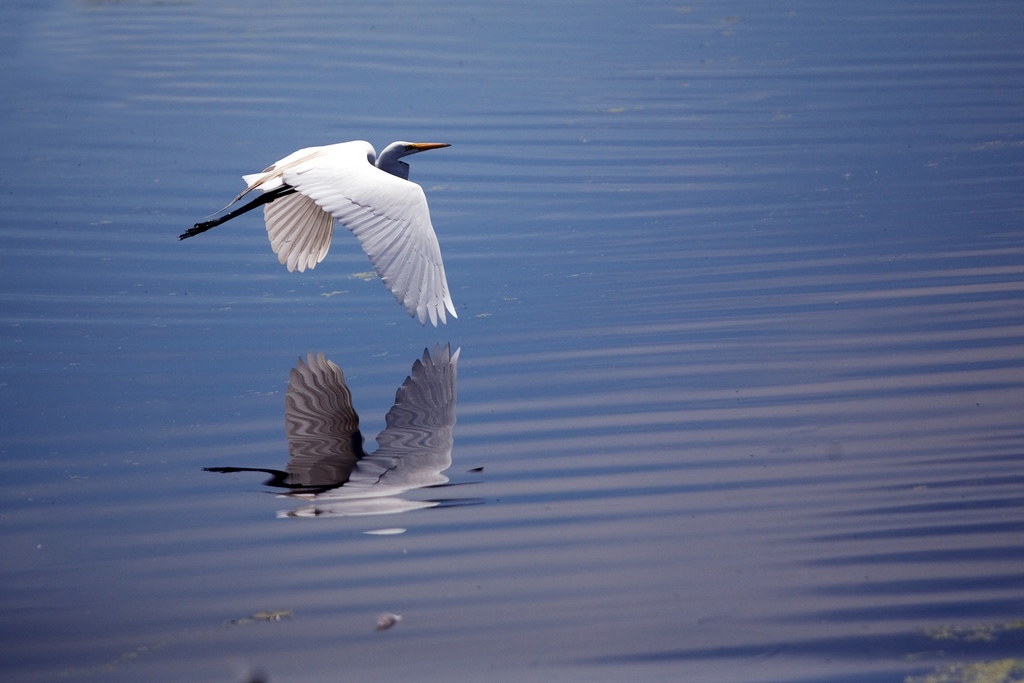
(740, 308)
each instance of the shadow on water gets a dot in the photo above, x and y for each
(327, 464)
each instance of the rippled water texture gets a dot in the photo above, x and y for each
(741, 316)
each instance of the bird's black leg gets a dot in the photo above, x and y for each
(264, 198)
(277, 477)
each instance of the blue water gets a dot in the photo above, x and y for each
(741, 311)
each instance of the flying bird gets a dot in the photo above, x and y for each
(303, 195)
(327, 464)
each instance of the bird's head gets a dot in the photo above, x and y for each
(389, 159)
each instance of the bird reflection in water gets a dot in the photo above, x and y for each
(327, 464)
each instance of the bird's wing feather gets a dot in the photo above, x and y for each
(324, 441)
(299, 230)
(389, 217)
(416, 445)
(270, 178)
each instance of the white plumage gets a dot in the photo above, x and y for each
(305, 192)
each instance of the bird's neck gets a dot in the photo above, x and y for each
(395, 168)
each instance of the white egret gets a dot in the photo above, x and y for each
(304, 193)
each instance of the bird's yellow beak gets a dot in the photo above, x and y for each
(424, 146)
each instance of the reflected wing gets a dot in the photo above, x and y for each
(390, 218)
(324, 441)
(416, 445)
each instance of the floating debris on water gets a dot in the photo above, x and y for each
(273, 615)
(365, 276)
(972, 633)
(998, 671)
(266, 615)
(387, 620)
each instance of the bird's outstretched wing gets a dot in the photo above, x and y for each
(416, 444)
(300, 231)
(324, 441)
(388, 215)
